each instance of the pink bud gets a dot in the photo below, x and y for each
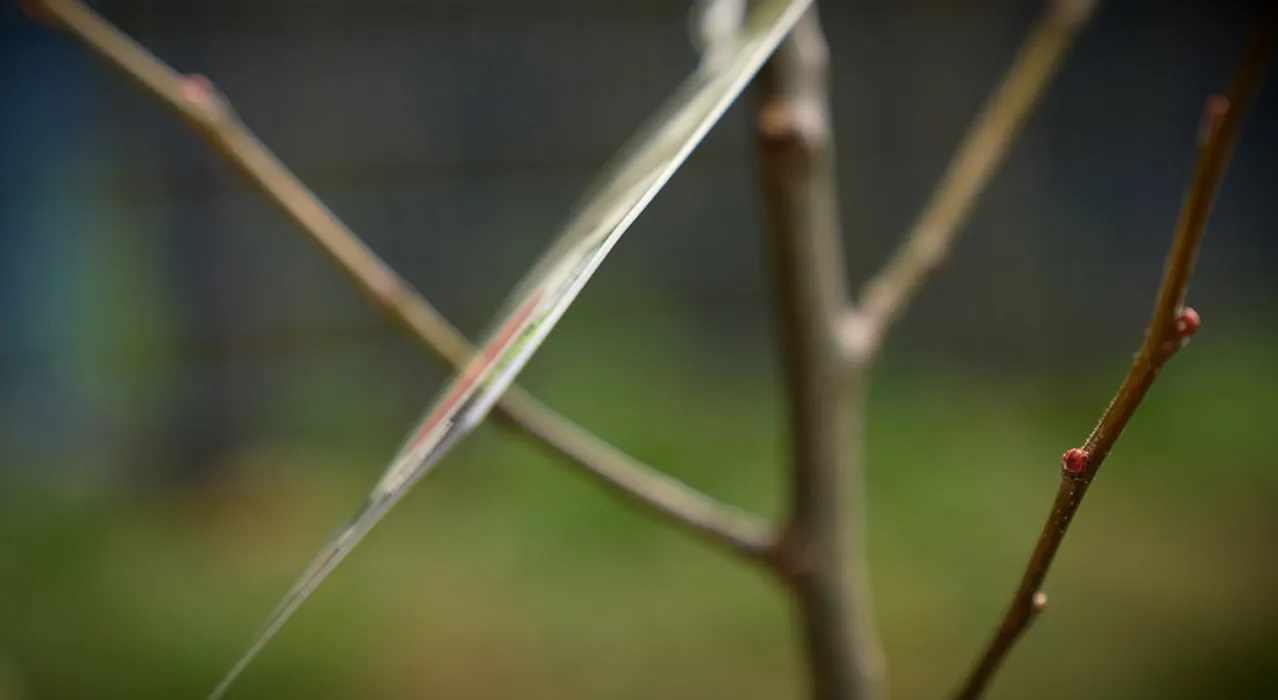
(1217, 106)
(1075, 461)
(1186, 323)
(197, 89)
(34, 9)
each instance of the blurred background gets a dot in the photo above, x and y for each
(191, 398)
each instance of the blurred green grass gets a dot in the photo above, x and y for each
(507, 576)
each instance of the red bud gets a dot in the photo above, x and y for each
(1074, 461)
(1187, 323)
(196, 88)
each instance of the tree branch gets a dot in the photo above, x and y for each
(1169, 329)
(206, 111)
(982, 151)
(829, 344)
(822, 551)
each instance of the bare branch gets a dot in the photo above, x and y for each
(823, 551)
(978, 157)
(718, 523)
(1169, 329)
(829, 345)
(206, 111)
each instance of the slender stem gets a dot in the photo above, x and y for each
(206, 111)
(822, 551)
(982, 151)
(1169, 329)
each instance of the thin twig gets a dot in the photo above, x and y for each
(982, 151)
(822, 551)
(206, 111)
(1169, 329)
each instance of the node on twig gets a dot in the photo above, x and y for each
(1074, 463)
(198, 90)
(778, 123)
(36, 10)
(1217, 107)
(1181, 330)
(1039, 601)
(1187, 323)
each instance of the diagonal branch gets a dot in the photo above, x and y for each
(983, 150)
(207, 112)
(1169, 329)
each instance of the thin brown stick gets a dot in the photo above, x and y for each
(206, 111)
(822, 552)
(1169, 329)
(982, 151)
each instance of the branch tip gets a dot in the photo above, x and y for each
(1217, 107)
(1171, 325)
(35, 9)
(980, 154)
(1073, 12)
(1213, 113)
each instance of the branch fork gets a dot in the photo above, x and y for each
(829, 343)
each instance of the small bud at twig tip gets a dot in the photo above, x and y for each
(35, 10)
(1213, 114)
(1186, 323)
(1040, 601)
(1075, 461)
(1217, 107)
(1073, 12)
